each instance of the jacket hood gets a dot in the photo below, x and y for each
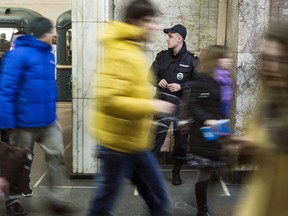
(116, 31)
(30, 41)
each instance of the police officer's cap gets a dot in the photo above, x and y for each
(177, 29)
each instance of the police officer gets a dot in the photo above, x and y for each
(173, 70)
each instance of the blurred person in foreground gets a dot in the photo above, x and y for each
(267, 137)
(173, 69)
(28, 106)
(209, 101)
(121, 117)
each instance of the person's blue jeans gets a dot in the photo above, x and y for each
(142, 169)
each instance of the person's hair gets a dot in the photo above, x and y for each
(278, 32)
(139, 9)
(208, 58)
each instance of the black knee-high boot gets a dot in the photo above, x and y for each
(201, 198)
(26, 190)
(176, 178)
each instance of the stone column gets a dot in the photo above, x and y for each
(88, 17)
(246, 22)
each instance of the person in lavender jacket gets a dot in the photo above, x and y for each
(209, 101)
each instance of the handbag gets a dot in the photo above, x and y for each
(12, 166)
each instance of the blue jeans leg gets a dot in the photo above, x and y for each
(109, 181)
(150, 184)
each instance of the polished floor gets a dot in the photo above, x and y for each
(222, 196)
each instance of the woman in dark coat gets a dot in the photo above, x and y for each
(209, 101)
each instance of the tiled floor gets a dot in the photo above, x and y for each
(222, 197)
(182, 197)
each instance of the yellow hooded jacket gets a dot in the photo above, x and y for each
(120, 117)
(268, 192)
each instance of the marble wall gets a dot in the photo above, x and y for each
(247, 21)
(200, 17)
(88, 19)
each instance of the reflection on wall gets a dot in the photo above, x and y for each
(200, 17)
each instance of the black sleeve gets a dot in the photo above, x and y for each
(154, 72)
(196, 107)
(187, 85)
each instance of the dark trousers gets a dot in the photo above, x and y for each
(180, 139)
(142, 169)
(4, 136)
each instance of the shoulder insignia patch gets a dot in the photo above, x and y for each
(194, 55)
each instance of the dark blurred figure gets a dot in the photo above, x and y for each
(4, 45)
(4, 135)
(267, 135)
(121, 116)
(209, 101)
(173, 69)
(28, 106)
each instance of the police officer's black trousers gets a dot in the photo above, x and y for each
(180, 139)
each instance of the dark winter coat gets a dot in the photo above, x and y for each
(204, 104)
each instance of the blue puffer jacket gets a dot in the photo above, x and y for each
(27, 85)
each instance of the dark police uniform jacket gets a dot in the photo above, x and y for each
(174, 69)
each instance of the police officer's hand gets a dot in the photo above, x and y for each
(163, 83)
(174, 87)
(163, 106)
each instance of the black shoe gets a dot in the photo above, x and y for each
(27, 193)
(176, 179)
(201, 198)
(15, 208)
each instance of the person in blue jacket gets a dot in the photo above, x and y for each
(28, 106)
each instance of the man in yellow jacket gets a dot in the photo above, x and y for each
(121, 115)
